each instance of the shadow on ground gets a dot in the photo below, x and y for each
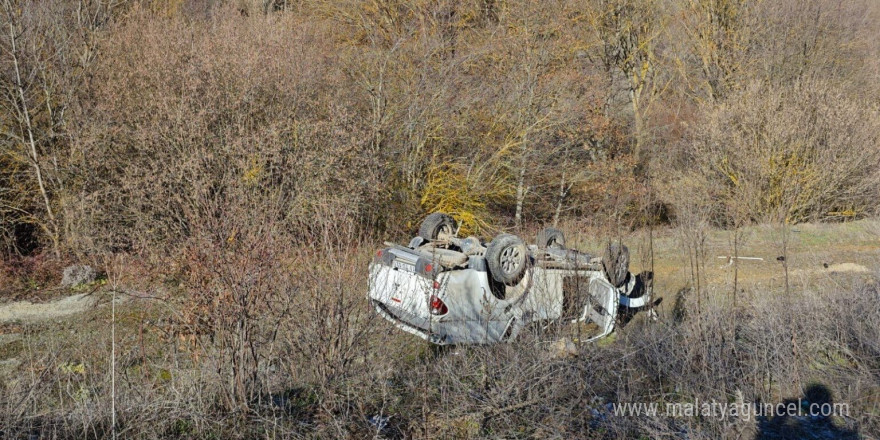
(815, 418)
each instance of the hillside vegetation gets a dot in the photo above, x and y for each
(132, 125)
(229, 166)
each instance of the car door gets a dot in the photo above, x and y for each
(589, 305)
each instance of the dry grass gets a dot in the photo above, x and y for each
(231, 165)
(332, 364)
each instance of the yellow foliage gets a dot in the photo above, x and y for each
(845, 213)
(728, 171)
(793, 181)
(252, 175)
(71, 368)
(167, 8)
(463, 192)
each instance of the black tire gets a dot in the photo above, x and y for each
(551, 238)
(435, 224)
(507, 257)
(615, 262)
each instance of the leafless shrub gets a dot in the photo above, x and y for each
(244, 157)
(238, 267)
(334, 370)
(747, 154)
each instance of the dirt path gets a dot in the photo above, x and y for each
(28, 312)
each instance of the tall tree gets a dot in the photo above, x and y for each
(628, 34)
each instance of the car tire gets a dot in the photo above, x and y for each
(615, 263)
(436, 224)
(551, 238)
(507, 257)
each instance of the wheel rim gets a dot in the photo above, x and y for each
(444, 231)
(511, 259)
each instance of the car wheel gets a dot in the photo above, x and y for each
(615, 262)
(551, 238)
(436, 225)
(506, 257)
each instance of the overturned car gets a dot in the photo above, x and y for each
(451, 290)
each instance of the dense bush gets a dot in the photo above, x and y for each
(130, 112)
(323, 365)
(792, 153)
(243, 157)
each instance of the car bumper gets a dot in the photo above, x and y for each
(409, 323)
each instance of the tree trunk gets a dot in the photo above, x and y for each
(32, 144)
(634, 95)
(559, 202)
(520, 195)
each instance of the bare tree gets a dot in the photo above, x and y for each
(629, 33)
(21, 104)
